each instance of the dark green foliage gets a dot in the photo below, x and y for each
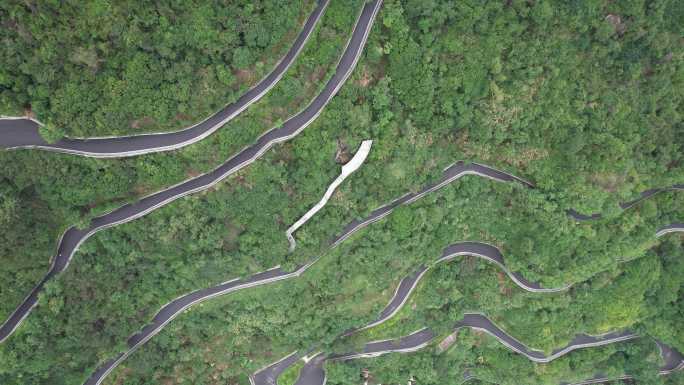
(491, 363)
(119, 68)
(586, 106)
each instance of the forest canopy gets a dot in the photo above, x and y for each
(105, 68)
(583, 99)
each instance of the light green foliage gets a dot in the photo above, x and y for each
(586, 108)
(124, 68)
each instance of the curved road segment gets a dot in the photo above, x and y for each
(269, 374)
(477, 249)
(313, 373)
(172, 309)
(460, 169)
(73, 237)
(627, 205)
(450, 174)
(674, 361)
(673, 228)
(23, 133)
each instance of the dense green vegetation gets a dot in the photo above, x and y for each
(121, 68)
(587, 108)
(71, 190)
(634, 295)
(487, 360)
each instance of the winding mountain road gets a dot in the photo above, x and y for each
(674, 361)
(413, 342)
(17, 133)
(626, 205)
(313, 373)
(73, 237)
(480, 322)
(478, 249)
(451, 173)
(172, 309)
(676, 227)
(407, 344)
(460, 169)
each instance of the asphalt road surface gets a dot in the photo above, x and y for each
(450, 174)
(672, 228)
(477, 249)
(461, 169)
(626, 205)
(313, 373)
(23, 133)
(269, 374)
(481, 322)
(73, 237)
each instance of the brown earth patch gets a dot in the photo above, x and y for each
(142, 122)
(190, 173)
(365, 78)
(502, 280)
(181, 116)
(342, 154)
(607, 181)
(244, 75)
(447, 342)
(317, 75)
(618, 25)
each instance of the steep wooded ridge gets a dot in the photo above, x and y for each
(550, 252)
(18, 133)
(414, 342)
(73, 237)
(313, 373)
(143, 69)
(168, 312)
